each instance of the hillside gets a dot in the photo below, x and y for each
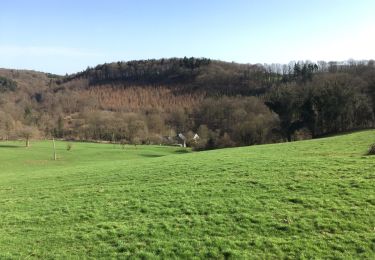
(307, 199)
(226, 104)
(28, 79)
(180, 74)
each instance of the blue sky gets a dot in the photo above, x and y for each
(67, 36)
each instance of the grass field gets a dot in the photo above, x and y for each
(309, 199)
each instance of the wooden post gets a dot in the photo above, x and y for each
(54, 149)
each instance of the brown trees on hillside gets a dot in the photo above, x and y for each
(227, 104)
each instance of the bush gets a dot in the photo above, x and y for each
(371, 151)
(225, 141)
(7, 84)
(200, 145)
(69, 146)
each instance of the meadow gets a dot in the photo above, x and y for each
(306, 199)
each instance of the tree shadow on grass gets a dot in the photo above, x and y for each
(151, 155)
(11, 146)
(180, 151)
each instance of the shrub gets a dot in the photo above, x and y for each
(225, 141)
(69, 146)
(7, 84)
(200, 145)
(371, 151)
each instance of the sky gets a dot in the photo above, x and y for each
(67, 36)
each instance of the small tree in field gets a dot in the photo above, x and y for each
(136, 141)
(27, 133)
(123, 143)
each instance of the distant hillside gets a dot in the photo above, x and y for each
(227, 104)
(28, 79)
(188, 74)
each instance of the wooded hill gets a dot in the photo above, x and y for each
(227, 104)
(189, 74)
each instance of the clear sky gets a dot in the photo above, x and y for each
(66, 36)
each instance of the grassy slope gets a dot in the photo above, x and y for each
(303, 199)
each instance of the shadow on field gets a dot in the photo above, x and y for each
(151, 155)
(181, 151)
(11, 146)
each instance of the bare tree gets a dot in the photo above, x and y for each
(27, 133)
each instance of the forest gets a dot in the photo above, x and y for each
(226, 104)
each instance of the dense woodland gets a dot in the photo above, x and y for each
(226, 104)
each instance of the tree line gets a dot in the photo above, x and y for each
(226, 104)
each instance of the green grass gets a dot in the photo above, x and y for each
(309, 199)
